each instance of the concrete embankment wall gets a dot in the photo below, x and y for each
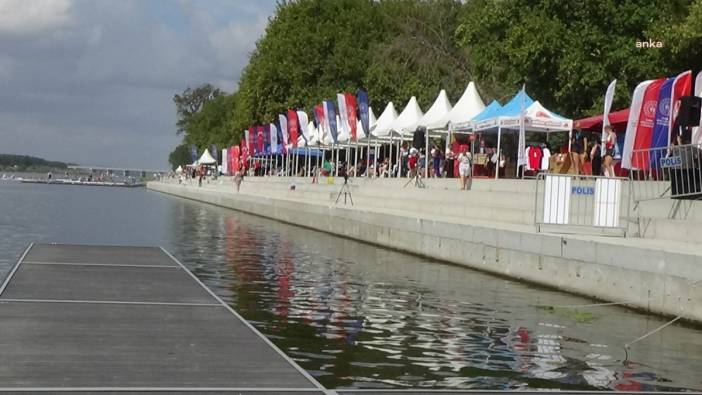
(647, 274)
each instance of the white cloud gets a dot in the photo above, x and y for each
(30, 16)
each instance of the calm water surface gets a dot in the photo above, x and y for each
(358, 316)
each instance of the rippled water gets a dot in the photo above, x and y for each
(358, 316)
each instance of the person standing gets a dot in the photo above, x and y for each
(238, 178)
(436, 160)
(577, 151)
(464, 169)
(448, 163)
(596, 158)
(608, 161)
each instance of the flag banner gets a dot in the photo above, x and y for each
(330, 119)
(363, 109)
(283, 123)
(214, 153)
(260, 146)
(251, 140)
(609, 97)
(644, 128)
(244, 155)
(267, 139)
(235, 163)
(697, 132)
(521, 150)
(225, 161)
(193, 153)
(303, 121)
(343, 125)
(681, 87)
(660, 135)
(351, 109)
(293, 127)
(274, 139)
(634, 112)
(282, 142)
(319, 116)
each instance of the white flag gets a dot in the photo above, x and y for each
(521, 150)
(283, 128)
(274, 139)
(303, 121)
(343, 126)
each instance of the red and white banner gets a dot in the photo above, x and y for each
(293, 128)
(351, 109)
(344, 129)
(644, 128)
(634, 112)
(681, 87)
(284, 128)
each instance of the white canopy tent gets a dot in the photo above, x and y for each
(206, 159)
(432, 119)
(179, 169)
(408, 120)
(383, 126)
(468, 106)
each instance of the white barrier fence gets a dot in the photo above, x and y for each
(581, 204)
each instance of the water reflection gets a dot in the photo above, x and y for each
(358, 316)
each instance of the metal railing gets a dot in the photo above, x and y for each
(581, 204)
(666, 172)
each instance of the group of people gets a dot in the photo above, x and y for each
(601, 158)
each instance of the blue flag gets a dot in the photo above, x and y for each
(213, 152)
(659, 135)
(330, 115)
(362, 97)
(267, 139)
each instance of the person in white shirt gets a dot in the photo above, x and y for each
(464, 169)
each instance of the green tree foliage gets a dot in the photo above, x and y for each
(566, 52)
(28, 163)
(180, 156)
(191, 101)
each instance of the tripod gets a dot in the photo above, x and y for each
(345, 190)
(417, 181)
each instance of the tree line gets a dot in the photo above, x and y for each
(566, 52)
(28, 163)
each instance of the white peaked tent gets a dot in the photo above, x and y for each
(383, 126)
(343, 134)
(432, 119)
(179, 169)
(206, 159)
(468, 106)
(408, 120)
(312, 131)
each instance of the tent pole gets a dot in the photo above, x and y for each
(390, 162)
(368, 161)
(426, 154)
(375, 160)
(497, 165)
(399, 156)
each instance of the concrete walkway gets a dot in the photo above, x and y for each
(655, 275)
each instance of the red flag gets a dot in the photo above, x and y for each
(319, 114)
(251, 140)
(682, 86)
(293, 127)
(644, 129)
(260, 143)
(351, 113)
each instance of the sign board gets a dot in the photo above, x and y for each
(557, 192)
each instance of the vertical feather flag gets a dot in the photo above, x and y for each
(681, 87)
(330, 119)
(697, 132)
(351, 109)
(293, 127)
(634, 113)
(660, 137)
(363, 110)
(267, 139)
(251, 140)
(244, 154)
(303, 121)
(644, 128)
(343, 115)
(193, 153)
(609, 97)
(274, 138)
(283, 123)
(214, 153)
(282, 139)
(260, 146)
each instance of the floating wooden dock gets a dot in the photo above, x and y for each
(119, 319)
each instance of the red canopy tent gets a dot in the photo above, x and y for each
(617, 119)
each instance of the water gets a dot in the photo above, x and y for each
(358, 316)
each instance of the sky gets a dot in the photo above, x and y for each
(92, 81)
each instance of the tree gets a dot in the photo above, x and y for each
(191, 101)
(180, 156)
